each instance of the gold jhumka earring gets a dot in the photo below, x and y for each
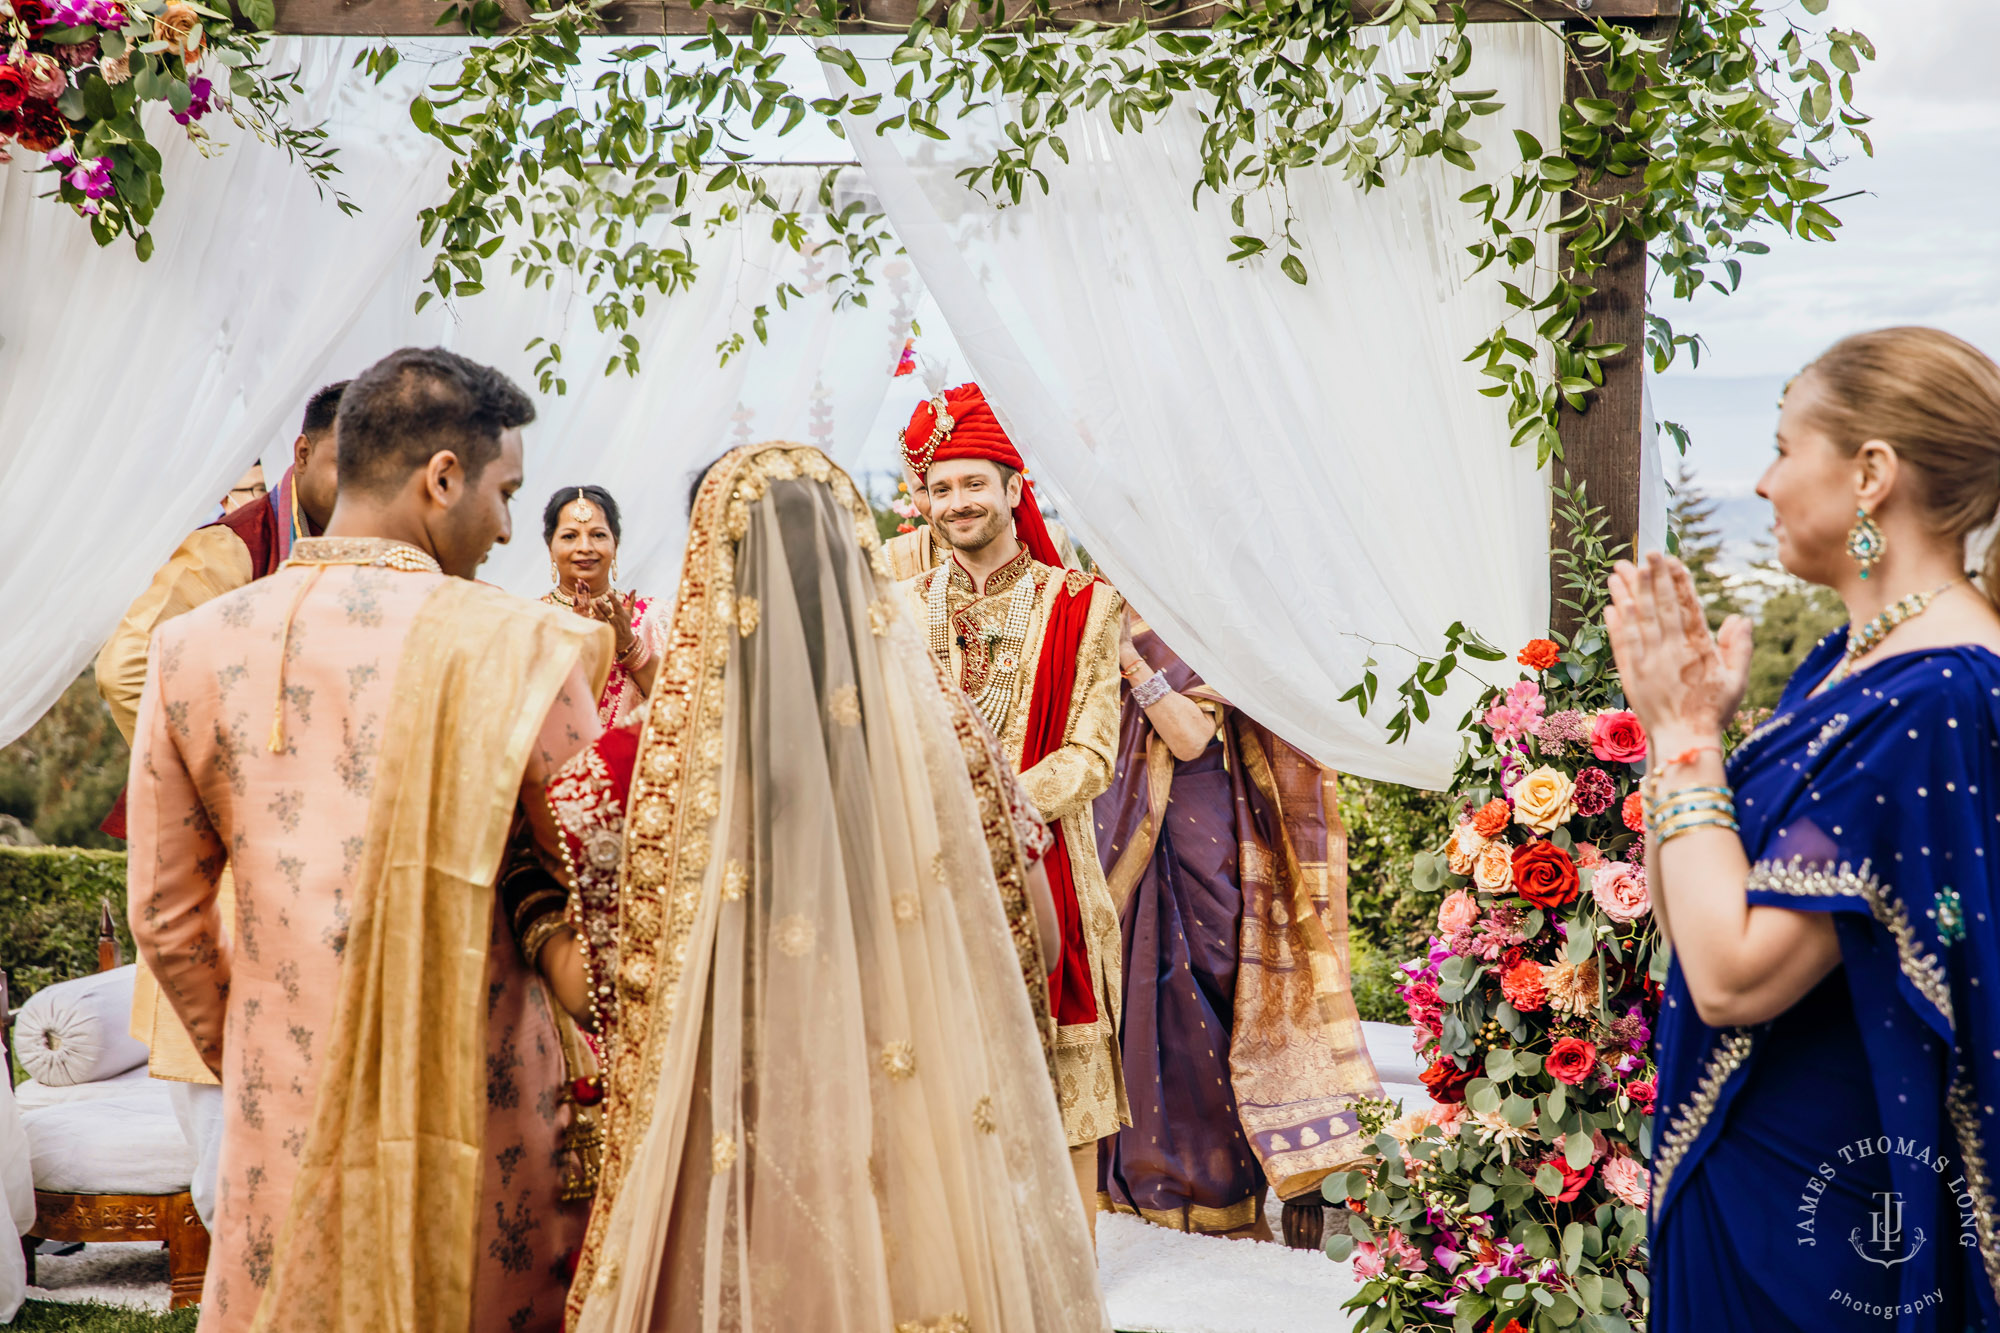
(1866, 542)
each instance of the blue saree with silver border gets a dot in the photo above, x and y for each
(1830, 1169)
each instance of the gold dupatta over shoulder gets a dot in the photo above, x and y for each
(383, 1223)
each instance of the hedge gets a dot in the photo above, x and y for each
(49, 900)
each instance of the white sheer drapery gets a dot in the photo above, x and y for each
(1275, 475)
(132, 395)
(819, 380)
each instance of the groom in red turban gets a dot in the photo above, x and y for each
(1036, 648)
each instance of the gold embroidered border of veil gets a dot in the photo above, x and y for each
(674, 800)
(826, 1105)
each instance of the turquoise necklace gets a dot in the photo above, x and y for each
(1861, 642)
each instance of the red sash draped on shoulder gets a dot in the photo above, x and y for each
(1071, 994)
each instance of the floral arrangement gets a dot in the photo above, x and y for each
(1516, 1201)
(904, 507)
(76, 75)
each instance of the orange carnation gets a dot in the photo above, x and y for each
(1492, 819)
(1539, 655)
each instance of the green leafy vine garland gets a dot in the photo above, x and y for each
(1696, 134)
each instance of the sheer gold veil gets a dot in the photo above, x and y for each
(827, 1106)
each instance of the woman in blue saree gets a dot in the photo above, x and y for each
(1829, 1042)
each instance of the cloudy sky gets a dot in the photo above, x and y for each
(1919, 244)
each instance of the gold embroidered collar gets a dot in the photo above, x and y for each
(379, 552)
(999, 581)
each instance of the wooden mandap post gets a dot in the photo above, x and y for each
(1602, 446)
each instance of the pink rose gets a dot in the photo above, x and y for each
(1620, 890)
(1368, 1262)
(1617, 738)
(1587, 855)
(1628, 1181)
(1457, 911)
(46, 78)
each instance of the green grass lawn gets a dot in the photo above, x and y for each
(50, 1317)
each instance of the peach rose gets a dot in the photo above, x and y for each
(1621, 892)
(1494, 869)
(1465, 844)
(1587, 855)
(1458, 910)
(1628, 1181)
(179, 25)
(1542, 800)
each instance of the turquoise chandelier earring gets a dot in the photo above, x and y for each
(1865, 541)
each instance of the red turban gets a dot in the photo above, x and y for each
(967, 428)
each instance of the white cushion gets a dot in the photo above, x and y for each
(1389, 1047)
(79, 1031)
(128, 1144)
(33, 1094)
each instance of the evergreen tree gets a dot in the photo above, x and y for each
(1794, 617)
(1699, 543)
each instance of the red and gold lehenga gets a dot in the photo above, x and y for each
(802, 888)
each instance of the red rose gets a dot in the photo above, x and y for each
(1634, 813)
(1642, 1092)
(1539, 655)
(1446, 1080)
(13, 87)
(1573, 1181)
(1572, 1061)
(1544, 874)
(41, 126)
(1617, 738)
(1492, 819)
(32, 12)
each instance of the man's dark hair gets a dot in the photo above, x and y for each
(597, 495)
(418, 402)
(321, 408)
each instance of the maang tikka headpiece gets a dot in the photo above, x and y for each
(584, 512)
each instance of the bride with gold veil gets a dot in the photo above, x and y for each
(827, 1107)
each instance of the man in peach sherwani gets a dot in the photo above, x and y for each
(350, 734)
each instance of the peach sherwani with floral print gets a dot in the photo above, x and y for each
(257, 745)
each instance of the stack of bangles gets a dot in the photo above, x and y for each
(536, 906)
(1150, 691)
(1689, 808)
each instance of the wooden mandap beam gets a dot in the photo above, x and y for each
(632, 18)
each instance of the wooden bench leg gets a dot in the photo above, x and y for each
(1305, 1223)
(29, 1244)
(187, 1252)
